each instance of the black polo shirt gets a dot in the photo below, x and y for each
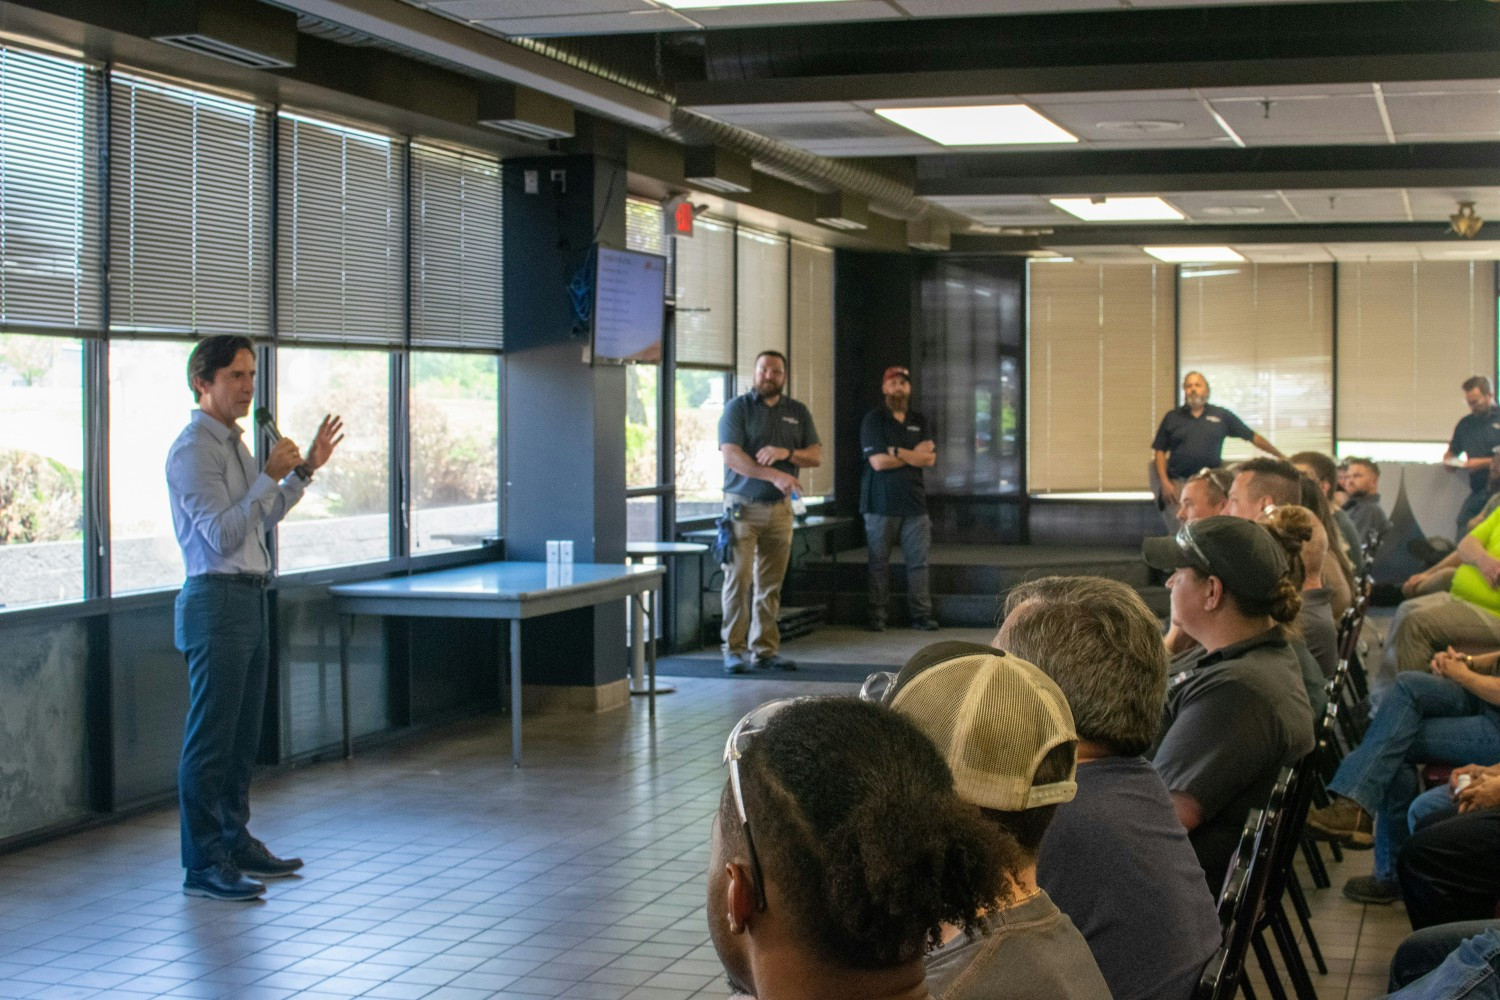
(1194, 443)
(1476, 436)
(892, 492)
(752, 425)
(1231, 721)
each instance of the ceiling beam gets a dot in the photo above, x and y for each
(1212, 235)
(1470, 164)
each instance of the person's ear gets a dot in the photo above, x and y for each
(739, 894)
(1213, 594)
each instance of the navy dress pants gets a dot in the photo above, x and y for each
(221, 628)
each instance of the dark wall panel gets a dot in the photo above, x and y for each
(309, 705)
(44, 769)
(148, 678)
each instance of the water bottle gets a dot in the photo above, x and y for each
(799, 508)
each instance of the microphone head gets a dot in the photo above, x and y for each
(264, 419)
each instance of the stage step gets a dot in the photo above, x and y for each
(968, 582)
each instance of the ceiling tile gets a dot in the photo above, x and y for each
(1323, 121)
(591, 24)
(1440, 86)
(491, 10)
(1444, 115)
(1232, 207)
(794, 13)
(1109, 121)
(1384, 205)
(970, 8)
(1284, 253)
(1285, 92)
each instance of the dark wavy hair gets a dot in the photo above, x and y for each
(856, 821)
(213, 353)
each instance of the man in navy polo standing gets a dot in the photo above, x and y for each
(898, 444)
(222, 504)
(765, 437)
(1476, 437)
(1191, 438)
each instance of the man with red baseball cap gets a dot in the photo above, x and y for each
(898, 445)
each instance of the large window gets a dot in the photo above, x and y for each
(699, 466)
(41, 469)
(1262, 334)
(151, 401)
(1102, 371)
(344, 517)
(1409, 334)
(455, 449)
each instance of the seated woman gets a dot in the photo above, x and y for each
(1446, 717)
(1239, 713)
(840, 850)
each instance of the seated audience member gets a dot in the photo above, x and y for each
(1204, 494)
(1117, 850)
(1450, 868)
(1438, 577)
(1262, 483)
(1446, 717)
(1362, 480)
(1467, 617)
(1240, 713)
(1324, 473)
(1007, 734)
(840, 852)
(1471, 971)
(1424, 950)
(1293, 527)
(1315, 622)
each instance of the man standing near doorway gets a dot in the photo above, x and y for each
(898, 444)
(222, 505)
(1191, 438)
(765, 437)
(1475, 437)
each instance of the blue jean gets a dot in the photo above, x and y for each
(1423, 719)
(915, 535)
(222, 630)
(1431, 806)
(1470, 972)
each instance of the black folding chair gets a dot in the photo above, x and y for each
(1239, 908)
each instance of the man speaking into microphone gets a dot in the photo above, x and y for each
(222, 504)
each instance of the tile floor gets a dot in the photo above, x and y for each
(436, 870)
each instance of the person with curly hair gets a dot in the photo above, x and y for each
(841, 853)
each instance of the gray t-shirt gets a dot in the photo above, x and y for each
(752, 425)
(1351, 539)
(1366, 514)
(1231, 722)
(1315, 622)
(1117, 852)
(1030, 951)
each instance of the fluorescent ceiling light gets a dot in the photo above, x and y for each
(1194, 255)
(1151, 209)
(700, 4)
(979, 125)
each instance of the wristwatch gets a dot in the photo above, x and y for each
(891, 451)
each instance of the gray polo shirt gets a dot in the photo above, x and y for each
(1230, 723)
(752, 425)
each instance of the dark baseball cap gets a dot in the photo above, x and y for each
(1241, 553)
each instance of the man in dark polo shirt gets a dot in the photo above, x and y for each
(1190, 438)
(898, 445)
(1475, 437)
(765, 438)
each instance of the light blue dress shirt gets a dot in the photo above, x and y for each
(222, 503)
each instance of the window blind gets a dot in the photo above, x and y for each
(1262, 334)
(340, 253)
(455, 249)
(1409, 334)
(811, 380)
(190, 211)
(644, 231)
(1102, 372)
(761, 301)
(705, 296)
(50, 224)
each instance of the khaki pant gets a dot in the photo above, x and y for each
(752, 582)
(1424, 625)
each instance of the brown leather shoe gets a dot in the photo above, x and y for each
(1342, 820)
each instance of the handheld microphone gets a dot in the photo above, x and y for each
(268, 422)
